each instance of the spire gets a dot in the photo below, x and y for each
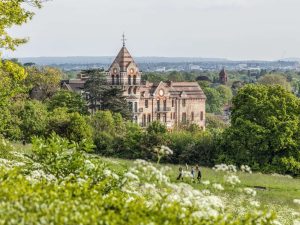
(124, 39)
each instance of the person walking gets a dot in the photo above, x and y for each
(199, 175)
(192, 173)
(180, 176)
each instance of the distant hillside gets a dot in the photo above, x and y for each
(291, 60)
(108, 59)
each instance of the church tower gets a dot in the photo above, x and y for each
(223, 78)
(125, 73)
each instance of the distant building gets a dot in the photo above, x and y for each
(171, 103)
(195, 67)
(223, 78)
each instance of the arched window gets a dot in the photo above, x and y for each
(134, 79)
(129, 80)
(134, 90)
(129, 90)
(117, 80)
(113, 80)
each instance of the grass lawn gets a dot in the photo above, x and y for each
(280, 191)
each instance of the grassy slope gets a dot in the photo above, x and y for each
(281, 191)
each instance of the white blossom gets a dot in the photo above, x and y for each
(250, 191)
(218, 187)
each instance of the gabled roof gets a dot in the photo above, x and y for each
(123, 59)
(175, 89)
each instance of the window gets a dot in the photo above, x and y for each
(134, 80)
(158, 105)
(144, 120)
(201, 116)
(135, 107)
(158, 116)
(149, 118)
(165, 117)
(174, 115)
(129, 90)
(130, 106)
(146, 103)
(183, 103)
(113, 80)
(134, 90)
(192, 116)
(165, 105)
(173, 102)
(117, 80)
(129, 80)
(183, 117)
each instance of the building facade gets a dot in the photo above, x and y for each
(171, 103)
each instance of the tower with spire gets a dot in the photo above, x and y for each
(125, 73)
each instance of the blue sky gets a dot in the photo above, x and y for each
(233, 29)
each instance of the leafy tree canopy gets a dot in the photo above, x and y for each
(14, 12)
(70, 100)
(275, 79)
(265, 129)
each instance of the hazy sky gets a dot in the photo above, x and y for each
(233, 29)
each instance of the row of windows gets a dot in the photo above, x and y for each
(165, 103)
(132, 90)
(116, 80)
(147, 118)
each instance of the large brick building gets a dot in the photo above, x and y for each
(172, 103)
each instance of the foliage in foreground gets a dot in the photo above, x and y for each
(264, 130)
(60, 183)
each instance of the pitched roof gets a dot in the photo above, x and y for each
(124, 59)
(176, 89)
(190, 89)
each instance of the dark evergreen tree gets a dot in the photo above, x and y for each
(102, 96)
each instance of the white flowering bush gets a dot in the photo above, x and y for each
(225, 168)
(63, 184)
(162, 151)
(232, 179)
(246, 169)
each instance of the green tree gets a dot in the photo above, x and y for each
(70, 100)
(156, 135)
(14, 12)
(72, 126)
(226, 94)
(265, 130)
(114, 101)
(33, 119)
(43, 83)
(275, 79)
(96, 85)
(214, 101)
(103, 123)
(103, 96)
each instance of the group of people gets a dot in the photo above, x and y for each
(195, 171)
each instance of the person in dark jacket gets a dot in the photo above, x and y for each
(198, 172)
(180, 176)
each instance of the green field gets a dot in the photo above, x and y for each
(273, 193)
(280, 190)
